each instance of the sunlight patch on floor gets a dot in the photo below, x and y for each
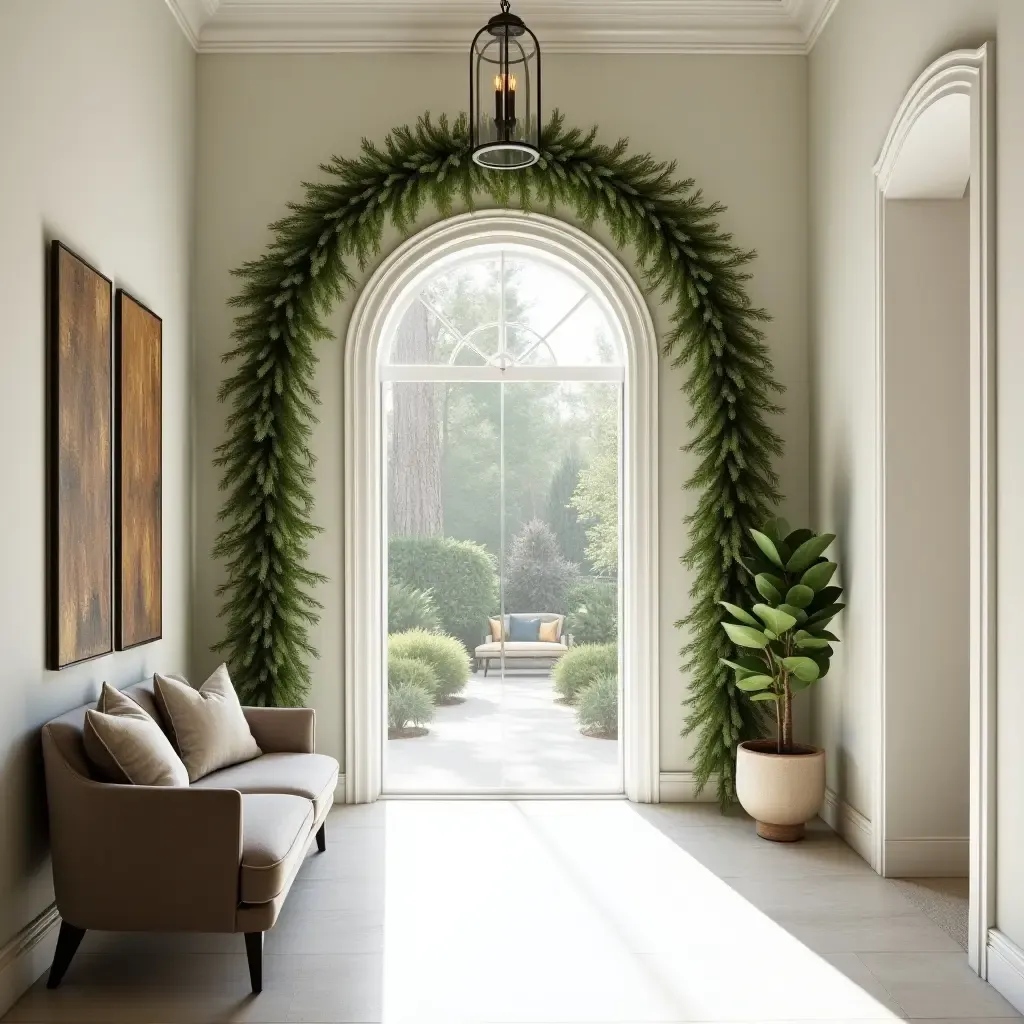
(541, 911)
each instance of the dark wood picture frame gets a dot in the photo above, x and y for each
(138, 530)
(80, 491)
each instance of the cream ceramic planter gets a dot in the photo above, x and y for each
(780, 791)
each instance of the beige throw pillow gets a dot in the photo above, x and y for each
(126, 745)
(207, 725)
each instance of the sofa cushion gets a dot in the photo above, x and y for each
(313, 776)
(207, 725)
(537, 649)
(522, 629)
(275, 832)
(126, 745)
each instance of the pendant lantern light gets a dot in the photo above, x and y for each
(504, 93)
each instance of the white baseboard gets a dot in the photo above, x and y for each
(929, 857)
(27, 956)
(679, 788)
(1006, 968)
(339, 790)
(849, 823)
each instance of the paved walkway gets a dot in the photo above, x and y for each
(508, 735)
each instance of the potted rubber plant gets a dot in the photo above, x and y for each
(785, 648)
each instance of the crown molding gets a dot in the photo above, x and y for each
(445, 26)
(192, 15)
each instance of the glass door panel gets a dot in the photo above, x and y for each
(560, 578)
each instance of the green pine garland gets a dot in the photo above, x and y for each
(267, 463)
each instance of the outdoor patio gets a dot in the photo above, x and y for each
(507, 734)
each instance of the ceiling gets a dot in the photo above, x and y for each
(567, 26)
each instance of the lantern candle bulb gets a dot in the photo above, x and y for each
(504, 98)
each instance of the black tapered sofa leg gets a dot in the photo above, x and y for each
(67, 944)
(254, 953)
(321, 838)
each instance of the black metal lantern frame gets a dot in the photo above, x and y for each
(504, 64)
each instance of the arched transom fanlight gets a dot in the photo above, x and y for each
(501, 310)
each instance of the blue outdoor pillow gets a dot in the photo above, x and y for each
(524, 629)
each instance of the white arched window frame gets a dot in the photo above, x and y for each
(367, 369)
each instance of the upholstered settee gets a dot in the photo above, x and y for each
(218, 855)
(541, 649)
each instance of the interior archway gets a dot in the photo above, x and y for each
(370, 329)
(935, 429)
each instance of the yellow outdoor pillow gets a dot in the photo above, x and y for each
(549, 632)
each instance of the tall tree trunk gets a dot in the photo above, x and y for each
(414, 466)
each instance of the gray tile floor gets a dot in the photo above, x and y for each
(549, 911)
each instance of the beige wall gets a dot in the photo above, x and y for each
(868, 56)
(96, 124)
(927, 530)
(736, 124)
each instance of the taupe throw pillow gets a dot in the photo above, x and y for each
(126, 745)
(207, 725)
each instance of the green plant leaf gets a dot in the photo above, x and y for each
(803, 668)
(825, 615)
(822, 662)
(748, 665)
(777, 621)
(825, 597)
(812, 643)
(818, 575)
(739, 613)
(799, 596)
(797, 537)
(776, 529)
(751, 683)
(745, 636)
(767, 546)
(767, 588)
(798, 613)
(824, 634)
(764, 695)
(807, 554)
(796, 684)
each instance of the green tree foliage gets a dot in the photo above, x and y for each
(409, 608)
(537, 577)
(581, 665)
(597, 709)
(596, 498)
(460, 576)
(561, 514)
(444, 655)
(412, 686)
(286, 295)
(593, 612)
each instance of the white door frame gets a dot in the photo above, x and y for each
(365, 613)
(964, 72)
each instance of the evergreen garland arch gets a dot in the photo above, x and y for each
(268, 466)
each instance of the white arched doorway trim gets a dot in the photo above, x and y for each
(364, 613)
(952, 99)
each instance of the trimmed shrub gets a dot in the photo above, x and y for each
(406, 671)
(409, 608)
(460, 576)
(597, 710)
(593, 612)
(444, 655)
(537, 577)
(581, 665)
(408, 704)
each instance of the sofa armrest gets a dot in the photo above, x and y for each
(282, 730)
(142, 858)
